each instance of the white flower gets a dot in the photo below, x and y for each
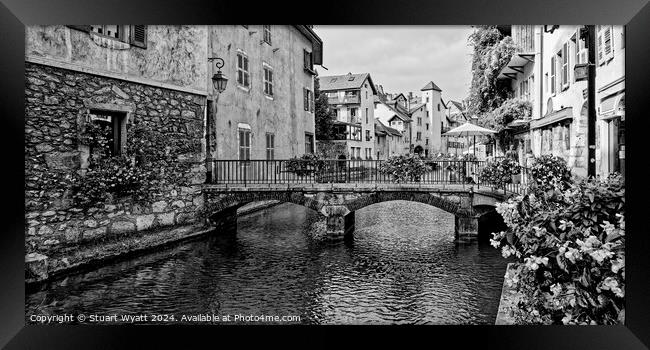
(600, 255)
(617, 265)
(556, 289)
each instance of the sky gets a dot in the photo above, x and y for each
(401, 58)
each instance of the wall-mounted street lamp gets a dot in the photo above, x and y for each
(219, 80)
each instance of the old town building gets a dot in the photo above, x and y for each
(147, 93)
(455, 116)
(267, 112)
(351, 97)
(388, 141)
(542, 71)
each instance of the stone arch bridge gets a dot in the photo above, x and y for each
(338, 202)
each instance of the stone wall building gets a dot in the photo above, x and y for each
(145, 92)
(127, 77)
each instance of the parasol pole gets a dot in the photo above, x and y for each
(474, 145)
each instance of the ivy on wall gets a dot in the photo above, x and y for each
(492, 51)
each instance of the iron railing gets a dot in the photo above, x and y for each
(246, 172)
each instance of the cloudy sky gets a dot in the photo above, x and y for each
(401, 58)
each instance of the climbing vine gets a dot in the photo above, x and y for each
(491, 52)
(140, 171)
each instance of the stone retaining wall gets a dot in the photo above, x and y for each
(507, 301)
(56, 101)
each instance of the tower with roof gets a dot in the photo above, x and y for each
(432, 98)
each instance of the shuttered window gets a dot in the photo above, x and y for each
(553, 75)
(605, 44)
(564, 53)
(243, 76)
(270, 146)
(305, 99)
(244, 144)
(138, 36)
(308, 100)
(308, 61)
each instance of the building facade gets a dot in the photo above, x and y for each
(351, 97)
(120, 80)
(455, 117)
(388, 141)
(393, 114)
(610, 99)
(134, 85)
(267, 112)
(542, 71)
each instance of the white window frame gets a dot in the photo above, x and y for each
(245, 148)
(267, 78)
(243, 70)
(565, 66)
(270, 146)
(553, 75)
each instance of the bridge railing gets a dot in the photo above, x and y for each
(246, 172)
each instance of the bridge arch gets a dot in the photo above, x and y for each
(230, 202)
(440, 202)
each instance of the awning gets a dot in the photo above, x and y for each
(612, 106)
(516, 65)
(552, 118)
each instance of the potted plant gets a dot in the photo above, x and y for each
(306, 165)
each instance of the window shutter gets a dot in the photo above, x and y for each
(138, 36)
(81, 27)
(305, 59)
(607, 38)
(304, 99)
(600, 46)
(553, 75)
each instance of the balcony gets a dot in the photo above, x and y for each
(335, 100)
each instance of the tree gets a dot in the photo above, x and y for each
(491, 52)
(324, 117)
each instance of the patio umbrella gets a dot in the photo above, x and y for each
(469, 129)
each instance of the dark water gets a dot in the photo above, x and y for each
(401, 267)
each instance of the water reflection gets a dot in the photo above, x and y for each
(401, 267)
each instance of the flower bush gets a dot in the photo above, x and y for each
(403, 168)
(499, 172)
(137, 172)
(550, 172)
(570, 244)
(305, 165)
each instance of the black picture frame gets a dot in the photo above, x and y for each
(15, 14)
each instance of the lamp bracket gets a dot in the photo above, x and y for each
(219, 62)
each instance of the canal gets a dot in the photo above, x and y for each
(402, 266)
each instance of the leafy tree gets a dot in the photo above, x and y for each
(324, 116)
(491, 52)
